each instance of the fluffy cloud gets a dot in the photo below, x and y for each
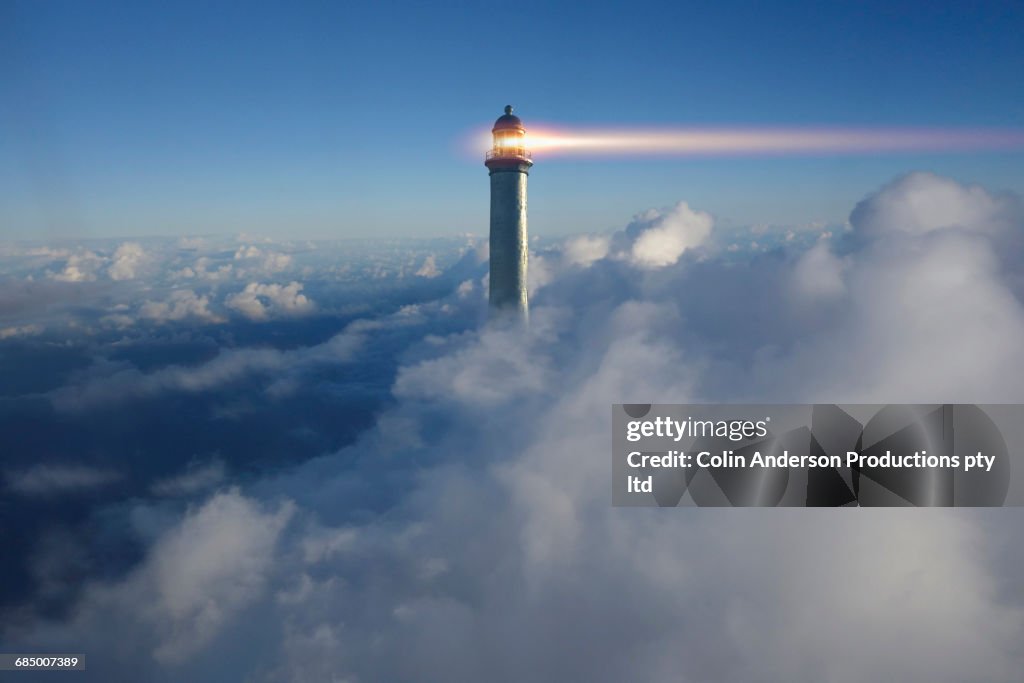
(583, 250)
(84, 265)
(180, 304)
(197, 578)
(910, 301)
(919, 203)
(429, 268)
(658, 238)
(819, 274)
(208, 568)
(273, 263)
(80, 267)
(126, 261)
(205, 269)
(261, 302)
(498, 549)
(269, 262)
(511, 558)
(247, 251)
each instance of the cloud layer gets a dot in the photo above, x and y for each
(467, 534)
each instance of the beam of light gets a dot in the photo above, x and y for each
(697, 142)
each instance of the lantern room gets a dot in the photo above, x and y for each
(509, 137)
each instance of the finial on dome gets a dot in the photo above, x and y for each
(508, 108)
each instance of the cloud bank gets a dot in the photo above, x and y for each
(467, 534)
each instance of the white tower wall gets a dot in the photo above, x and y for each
(509, 240)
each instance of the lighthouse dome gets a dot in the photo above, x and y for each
(508, 121)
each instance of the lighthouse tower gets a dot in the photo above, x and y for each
(509, 164)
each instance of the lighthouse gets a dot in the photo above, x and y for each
(509, 164)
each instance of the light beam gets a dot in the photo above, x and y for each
(723, 141)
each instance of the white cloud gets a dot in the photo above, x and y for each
(659, 238)
(536, 561)
(246, 252)
(503, 553)
(270, 262)
(80, 267)
(429, 268)
(819, 274)
(262, 301)
(583, 250)
(540, 272)
(209, 568)
(485, 385)
(204, 268)
(274, 263)
(196, 579)
(916, 301)
(923, 202)
(191, 242)
(121, 382)
(180, 304)
(126, 262)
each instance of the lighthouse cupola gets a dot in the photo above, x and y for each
(509, 137)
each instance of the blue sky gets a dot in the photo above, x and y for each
(345, 119)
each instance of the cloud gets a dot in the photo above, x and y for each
(80, 267)
(191, 242)
(429, 268)
(511, 559)
(209, 568)
(180, 304)
(819, 274)
(273, 263)
(126, 261)
(471, 522)
(196, 579)
(202, 269)
(20, 331)
(658, 238)
(196, 478)
(118, 382)
(270, 262)
(487, 375)
(920, 202)
(531, 559)
(904, 289)
(84, 265)
(46, 480)
(583, 250)
(43, 252)
(261, 302)
(247, 251)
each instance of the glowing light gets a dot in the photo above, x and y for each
(551, 142)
